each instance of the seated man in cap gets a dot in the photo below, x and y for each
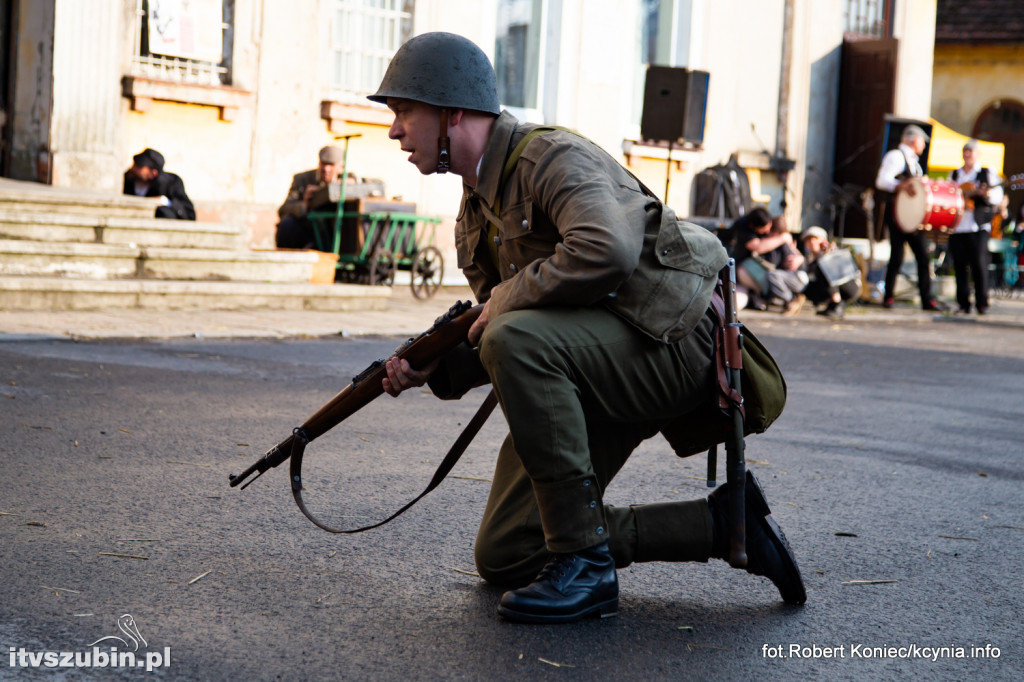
(828, 284)
(147, 178)
(295, 230)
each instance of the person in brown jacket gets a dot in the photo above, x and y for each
(295, 230)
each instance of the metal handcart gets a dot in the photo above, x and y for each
(374, 238)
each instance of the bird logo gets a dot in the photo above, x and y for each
(126, 624)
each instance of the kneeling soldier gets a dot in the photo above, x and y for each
(595, 334)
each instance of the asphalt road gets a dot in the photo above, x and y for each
(895, 471)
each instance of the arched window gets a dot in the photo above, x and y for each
(1002, 116)
(1003, 121)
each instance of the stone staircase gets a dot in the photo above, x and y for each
(63, 249)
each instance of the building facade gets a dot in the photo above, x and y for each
(239, 95)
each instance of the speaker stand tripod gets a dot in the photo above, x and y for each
(668, 170)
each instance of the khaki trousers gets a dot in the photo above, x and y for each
(580, 389)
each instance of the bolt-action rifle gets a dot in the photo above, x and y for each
(448, 331)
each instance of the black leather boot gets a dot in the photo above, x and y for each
(768, 552)
(569, 588)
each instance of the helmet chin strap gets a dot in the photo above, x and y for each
(443, 143)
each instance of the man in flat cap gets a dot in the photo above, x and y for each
(898, 166)
(295, 230)
(147, 178)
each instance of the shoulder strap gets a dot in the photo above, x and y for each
(510, 166)
(517, 151)
(907, 171)
(513, 159)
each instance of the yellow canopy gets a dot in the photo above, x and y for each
(946, 151)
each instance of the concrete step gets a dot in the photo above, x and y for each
(106, 261)
(55, 293)
(101, 229)
(85, 261)
(17, 195)
(244, 266)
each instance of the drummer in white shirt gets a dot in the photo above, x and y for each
(898, 166)
(968, 245)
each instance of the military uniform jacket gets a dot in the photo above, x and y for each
(577, 229)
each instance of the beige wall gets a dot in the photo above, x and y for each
(968, 79)
(914, 27)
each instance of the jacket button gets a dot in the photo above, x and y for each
(666, 252)
(586, 484)
(593, 505)
(513, 267)
(599, 530)
(497, 240)
(526, 224)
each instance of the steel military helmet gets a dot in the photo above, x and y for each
(442, 69)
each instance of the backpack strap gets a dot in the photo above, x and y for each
(510, 165)
(506, 173)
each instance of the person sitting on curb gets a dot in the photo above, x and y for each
(295, 230)
(823, 288)
(147, 178)
(768, 261)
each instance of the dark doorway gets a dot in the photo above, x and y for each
(6, 83)
(867, 86)
(1003, 121)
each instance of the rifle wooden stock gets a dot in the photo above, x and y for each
(448, 331)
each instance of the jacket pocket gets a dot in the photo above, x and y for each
(515, 220)
(671, 288)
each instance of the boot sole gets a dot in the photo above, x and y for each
(605, 609)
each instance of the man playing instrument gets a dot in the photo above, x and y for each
(968, 245)
(898, 166)
(586, 354)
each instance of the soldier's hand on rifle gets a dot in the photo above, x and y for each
(401, 376)
(477, 329)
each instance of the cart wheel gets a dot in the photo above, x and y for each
(345, 276)
(427, 271)
(382, 268)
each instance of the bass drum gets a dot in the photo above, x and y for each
(934, 205)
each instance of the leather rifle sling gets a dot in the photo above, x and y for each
(454, 453)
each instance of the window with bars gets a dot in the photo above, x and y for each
(868, 18)
(364, 36)
(184, 41)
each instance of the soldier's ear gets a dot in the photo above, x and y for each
(455, 116)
